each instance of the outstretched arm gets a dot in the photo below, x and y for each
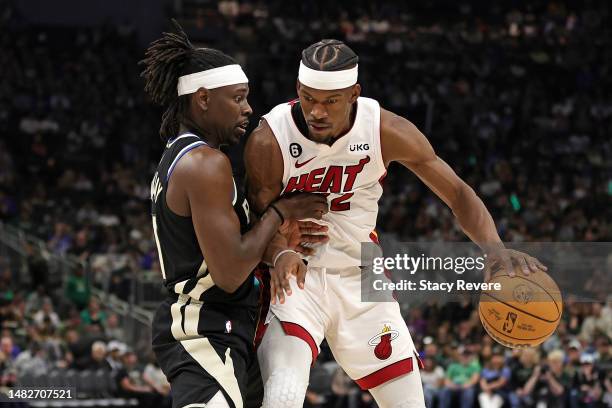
(402, 142)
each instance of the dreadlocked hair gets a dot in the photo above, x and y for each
(167, 59)
(329, 55)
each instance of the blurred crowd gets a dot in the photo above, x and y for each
(515, 97)
(45, 334)
(464, 366)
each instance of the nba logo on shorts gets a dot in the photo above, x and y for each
(509, 323)
(228, 326)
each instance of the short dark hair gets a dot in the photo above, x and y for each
(165, 61)
(329, 55)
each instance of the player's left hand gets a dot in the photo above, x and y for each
(301, 233)
(507, 259)
(287, 264)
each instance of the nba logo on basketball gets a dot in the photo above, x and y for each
(509, 323)
(382, 342)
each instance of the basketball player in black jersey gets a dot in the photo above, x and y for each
(203, 333)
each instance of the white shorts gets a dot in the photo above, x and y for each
(370, 340)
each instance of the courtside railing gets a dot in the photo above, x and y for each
(18, 248)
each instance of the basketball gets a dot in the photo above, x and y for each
(525, 312)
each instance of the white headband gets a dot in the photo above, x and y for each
(327, 80)
(211, 79)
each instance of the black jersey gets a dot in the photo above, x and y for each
(183, 266)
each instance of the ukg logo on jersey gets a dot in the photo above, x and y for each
(358, 148)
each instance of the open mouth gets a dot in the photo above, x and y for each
(242, 127)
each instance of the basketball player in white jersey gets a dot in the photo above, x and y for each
(334, 142)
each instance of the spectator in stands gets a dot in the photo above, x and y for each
(416, 323)
(314, 399)
(77, 289)
(55, 349)
(553, 384)
(82, 247)
(432, 350)
(345, 392)
(34, 300)
(461, 379)
(603, 351)
(78, 349)
(494, 379)
(47, 316)
(154, 377)
(61, 240)
(97, 359)
(93, 314)
(607, 398)
(32, 361)
(17, 316)
(6, 297)
(525, 374)
(72, 318)
(596, 322)
(8, 346)
(115, 351)
(112, 328)
(572, 364)
(8, 372)
(131, 384)
(432, 376)
(37, 266)
(574, 316)
(587, 387)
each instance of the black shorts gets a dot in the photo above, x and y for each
(203, 348)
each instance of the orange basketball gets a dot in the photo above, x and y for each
(524, 312)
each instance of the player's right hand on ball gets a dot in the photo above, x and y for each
(303, 205)
(288, 264)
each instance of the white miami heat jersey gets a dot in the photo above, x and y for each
(349, 172)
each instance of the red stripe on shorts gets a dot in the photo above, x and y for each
(294, 329)
(385, 374)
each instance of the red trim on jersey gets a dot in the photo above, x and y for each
(419, 362)
(294, 329)
(382, 178)
(374, 237)
(293, 101)
(385, 374)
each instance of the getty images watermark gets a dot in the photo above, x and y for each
(426, 272)
(406, 264)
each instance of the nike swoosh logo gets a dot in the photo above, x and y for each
(298, 165)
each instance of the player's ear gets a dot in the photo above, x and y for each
(202, 98)
(297, 86)
(355, 92)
